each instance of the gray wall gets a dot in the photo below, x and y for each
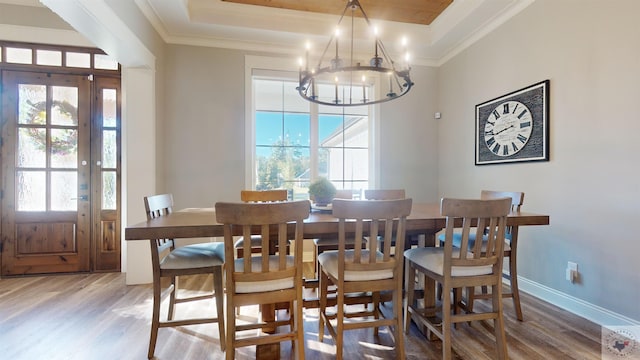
(590, 51)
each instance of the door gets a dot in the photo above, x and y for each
(46, 215)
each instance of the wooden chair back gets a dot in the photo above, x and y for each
(475, 215)
(264, 195)
(517, 198)
(268, 220)
(384, 194)
(386, 218)
(343, 194)
(157, 206)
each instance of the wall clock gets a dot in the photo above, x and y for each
(514, 127)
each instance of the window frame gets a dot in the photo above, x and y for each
(281, 68)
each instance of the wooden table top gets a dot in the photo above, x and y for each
(201, 222)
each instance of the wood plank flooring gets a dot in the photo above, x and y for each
(97, 316)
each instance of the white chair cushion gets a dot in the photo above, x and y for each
(260, 286)
(329, 262)
(457, 240)
(432, 258)
(194, 256)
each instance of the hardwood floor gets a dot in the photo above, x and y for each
(97, 316)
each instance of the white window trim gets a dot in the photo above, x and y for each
(251, 63)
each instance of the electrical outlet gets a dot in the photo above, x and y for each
(571, 273)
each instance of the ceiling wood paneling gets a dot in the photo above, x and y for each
(406, 11)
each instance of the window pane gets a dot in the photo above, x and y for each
(19, 55)
(109, 190)
(297, 129)
(81, 60)
(109, 149)
(268, 128)
(282, 167)
(330, 163)
(31, 187)
(65, 105)
(356, 131)
(292, 99)
(109, 106)
(64, 191)
(32, 102)
(104, 62)
(49, 57)
(330, 130)
(64, 148)
(356, 164)
(268, 95)
(32, 143)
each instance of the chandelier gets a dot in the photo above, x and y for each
(336, 82)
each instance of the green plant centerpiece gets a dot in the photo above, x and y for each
(322, 191)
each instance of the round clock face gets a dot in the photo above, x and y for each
(508, 128)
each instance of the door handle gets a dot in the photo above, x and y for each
(81, 197)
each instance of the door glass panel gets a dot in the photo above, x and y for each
(109, 149)
(109, 107)
(64, 191)
(64, 148)
(81, 60)
(19, 55)
(65, 105)
(32, 147)
(31, 194)
(104, 62)
(109, 190)
(49, 57)
(32, 100)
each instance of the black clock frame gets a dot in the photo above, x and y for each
(536, 98)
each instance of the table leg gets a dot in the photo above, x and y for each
(268, 351)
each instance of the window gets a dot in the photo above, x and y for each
(297, 141)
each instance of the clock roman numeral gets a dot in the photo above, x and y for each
(496, 114)
(489, 133)
(490, 141)
(522, 138)
(505, 108)
(505, 150)
(525, 124)
(496, 149)
(514, 109)
(522, 113)
(515, 147)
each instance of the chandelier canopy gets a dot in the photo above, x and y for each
(336, 82)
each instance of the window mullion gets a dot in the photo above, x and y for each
(314, 141)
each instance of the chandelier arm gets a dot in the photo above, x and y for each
(333, 37)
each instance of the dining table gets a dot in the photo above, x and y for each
(424, 221)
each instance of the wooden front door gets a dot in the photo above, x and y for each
(46, 177)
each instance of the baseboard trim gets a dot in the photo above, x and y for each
(594, 313)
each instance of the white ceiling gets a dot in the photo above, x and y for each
(217, 23)
(238, 26)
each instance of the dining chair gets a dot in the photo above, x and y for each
(510, 252)
(325, 243)
(372, 270)
(253, 246)
(169, 261)
(391, 194)
(456, 269)
(266, 279)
